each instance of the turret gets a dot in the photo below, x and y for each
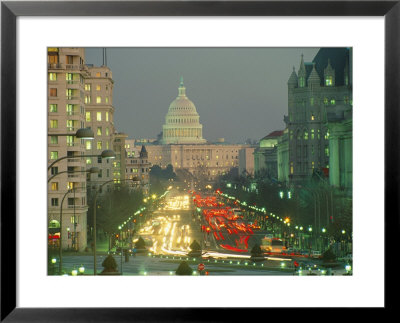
(292, 82)
(329, 75)
(143, 152)
(313, 79)
(302, 73)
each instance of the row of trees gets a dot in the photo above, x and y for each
(313, 203)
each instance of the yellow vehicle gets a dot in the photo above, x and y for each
(271, 244)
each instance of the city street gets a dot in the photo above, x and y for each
(170, 230)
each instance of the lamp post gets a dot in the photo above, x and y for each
(94, 221)
(104, 154)
(92, 170)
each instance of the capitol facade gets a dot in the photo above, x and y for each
(182, 144)
(182, 122)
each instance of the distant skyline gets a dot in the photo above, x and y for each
(239, 93)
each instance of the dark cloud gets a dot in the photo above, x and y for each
(239, 93)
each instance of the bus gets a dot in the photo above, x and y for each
(271, 244)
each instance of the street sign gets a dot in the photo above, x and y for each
(200, 267)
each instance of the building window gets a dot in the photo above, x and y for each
(329, 80)
(302, 82)
(88, 116)
(98, 99)
(54, 140)
(312, 117)
(99, 159)
(87, 87)
(107, 131)
(53, 76)
(327, 151)
(53, 107)
(107, 145)
(305, 135)
(87, 99)
(98, 87)
(54, 155)
(99, 145)
(312, 133)
(69, 77)
(106, 99)
(88, 161)
(54, 186)
(100, 174)
(325, 100)
(333, 101)
(106, 116)
(70, 125)
(99, 131)
(98, 74)
(54, 170)
(98, 116)
(70, 141)
(53, 92)
(54, 202)
(108, 172)
(88, 145)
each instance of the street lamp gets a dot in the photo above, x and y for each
(104, 154)
(92, 170)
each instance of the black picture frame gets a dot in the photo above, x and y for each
(10, 10)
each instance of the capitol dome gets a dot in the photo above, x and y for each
(182, 122)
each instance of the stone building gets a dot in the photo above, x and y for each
(184, 147)
(266, 155)
(317, 93)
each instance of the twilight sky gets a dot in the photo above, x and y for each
(239, 93)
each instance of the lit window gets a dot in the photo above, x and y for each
(69, 77)
(329, 81)
(333, 101)
(106, 99)
(327, 151)
(88, 161)
(325, 100)
(312, 165)
(306, 135)
(99, 145)
(99, 131)
(54, 186)
(87, 87)
(53, 76)
(88, 145)
(53, 92)
(53, 124)
(98, 74)
(54, 155)
(98, 99)
(107, 145)
(302, 82)
(70, 141)
(98, 87)
(312, 117)
(107, 131)
(312, 133)
(87, 99)
(106, 116)
(98, 116)
(70, 125)
(54, 140)
(88, 116)
(53, 107)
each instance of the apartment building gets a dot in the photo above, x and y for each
(67, 205)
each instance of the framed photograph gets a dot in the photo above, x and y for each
(146, 141)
